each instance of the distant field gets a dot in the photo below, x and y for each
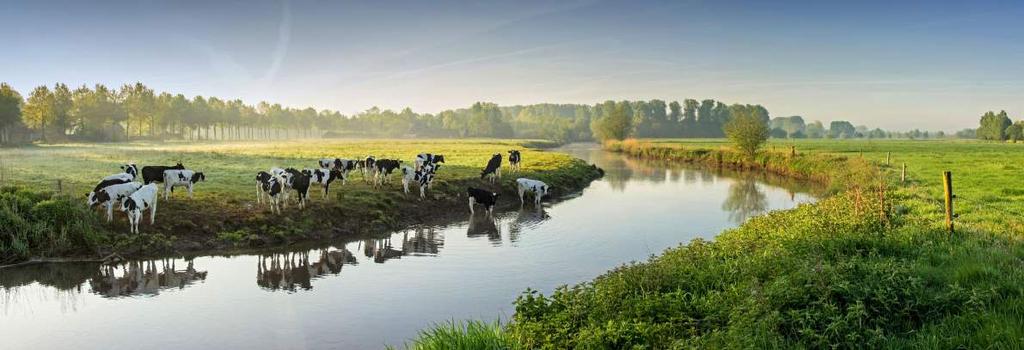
(231, 166)
(988, 177)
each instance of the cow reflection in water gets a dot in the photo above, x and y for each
(526, 218)
(143, 277)
(290, 271)
(420, 241)
(484, 225)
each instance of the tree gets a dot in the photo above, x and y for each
(1015, 132)
(138, 103)
(39, 110)
(62, 104)
(747, 130)
(993, 126)
(616, 125)
(10, 111)
(815, 130)
(841, 129)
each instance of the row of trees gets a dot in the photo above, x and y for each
(998, 127)
(135, 111)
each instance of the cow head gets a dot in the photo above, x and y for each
(439, 159)
(130, 168)
(198, 176)
(178, 166)
(97, 198)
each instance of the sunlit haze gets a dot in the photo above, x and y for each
(891, 64)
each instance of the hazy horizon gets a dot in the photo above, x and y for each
(928, 65)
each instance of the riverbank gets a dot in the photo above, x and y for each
(223, 217)
(870, 266)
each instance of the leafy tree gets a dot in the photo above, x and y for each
(1015, 132)
(138, 101)
(815, 130)
(993, 126)
(39, 111)
(747, 130)
(841, 129)
(616, 125)
(10, 111)
(62, 105)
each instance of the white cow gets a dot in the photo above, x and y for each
(273, 187)
(139, 201)
(537, 187)
(179, 178)
(108, 195)
(422, 178)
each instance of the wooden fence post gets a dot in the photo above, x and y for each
(903, 174)
(947, 181)
(887, 155)
(792, 151)
(60, 186)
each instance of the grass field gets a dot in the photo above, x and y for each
(224, 211)
(871, 266)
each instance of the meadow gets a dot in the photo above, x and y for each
(870, 266)
(223, 212)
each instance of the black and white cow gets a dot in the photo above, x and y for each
(129, 173)
(109, 193)
(344, 165)
(262, 178)
(324, 177)
(484, 197)
(155, 173)
(383, 170)
(131, 168)
(537, 187)
(427, 159)
(179, 178)
(493, 168)
(139, 201)
(273, 187)
(300, 183)
(422, 177)
(367, 167)
(284, 174)
(514, 158)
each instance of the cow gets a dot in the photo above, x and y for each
(421, 177)
(427, 159)
(514, 158)
(324, 177)
(287, 177)
(383, 169)
(131, 168)
(537, 187)
(261, 178)
(484, 197)
(139, 201)
(111, 193)
(300, 183)
(273, 186)
(493, 168)
(367, 167)
(178, 178)
(130, 172)
(155, 173)
(343, 165)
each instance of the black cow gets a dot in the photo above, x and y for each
(493, 168)
(262, 178)
(484, 197)
(155, 173)
(514, 158)
(384, 168)
(300, 183)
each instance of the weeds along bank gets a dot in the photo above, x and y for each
(223, 215)
(870, 266)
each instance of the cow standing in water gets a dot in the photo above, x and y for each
(514, 158)
(493, 169)
(537, 187)
(483, 197)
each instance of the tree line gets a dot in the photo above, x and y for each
(998, 127)
(134, 111)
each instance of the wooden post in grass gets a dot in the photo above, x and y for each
(887, 154)
(60, 186)
(792, 151)
(903, 174)
(947, 182)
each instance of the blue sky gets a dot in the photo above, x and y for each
(894, 64)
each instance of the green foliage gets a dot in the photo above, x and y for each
(993, 126)
(468, 335)
(747, 130)
(617, 122)
(40, 224)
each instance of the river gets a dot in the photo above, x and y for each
(368, 293)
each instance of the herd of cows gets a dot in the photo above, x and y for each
(134, 198)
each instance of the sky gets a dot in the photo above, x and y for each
(892, 64)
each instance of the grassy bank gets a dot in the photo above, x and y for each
(224, 216)
(870, 266)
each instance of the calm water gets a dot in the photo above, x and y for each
(367, 293)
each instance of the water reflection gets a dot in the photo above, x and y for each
(293, 270)
(146, 277)
(745, 200)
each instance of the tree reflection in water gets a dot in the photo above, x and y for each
(745, 200)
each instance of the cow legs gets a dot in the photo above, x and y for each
(110, 210)
(152, 211)
(521, 201)
(471, 201)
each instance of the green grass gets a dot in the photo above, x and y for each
(224, 214)
(468, 335)
(868, 267)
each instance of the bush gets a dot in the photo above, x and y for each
(469, 335)
(41, 224)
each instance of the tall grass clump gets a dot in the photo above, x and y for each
(464, 335)
(44, 224)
